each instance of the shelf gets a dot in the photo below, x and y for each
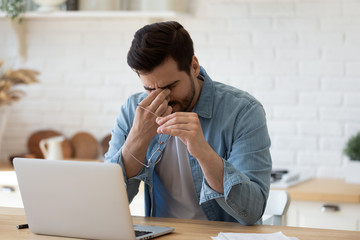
(102, 14)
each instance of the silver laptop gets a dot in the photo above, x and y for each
(78, 199)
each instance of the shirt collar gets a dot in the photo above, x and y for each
(204, 106)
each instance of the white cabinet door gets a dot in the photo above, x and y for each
(9, 190)
(344, 216)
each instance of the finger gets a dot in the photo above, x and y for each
(178, 117)
(162, 108)
(159, 100)
(182, 126)
(148, 100)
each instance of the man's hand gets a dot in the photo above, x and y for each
(186, 126)
(144, 129)
(154, 105)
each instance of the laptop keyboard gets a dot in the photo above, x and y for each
(140, 233)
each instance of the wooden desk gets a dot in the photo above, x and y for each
(184, 229)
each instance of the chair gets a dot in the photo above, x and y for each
(276, 207)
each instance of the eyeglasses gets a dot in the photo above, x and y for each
(160, 143)
(150, 160)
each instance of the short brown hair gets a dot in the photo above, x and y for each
(154, 43)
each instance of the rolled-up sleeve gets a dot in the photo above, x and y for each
(246, 176)
(118, 136)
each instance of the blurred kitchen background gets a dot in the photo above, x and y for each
(300, 58)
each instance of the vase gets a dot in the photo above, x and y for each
(49, 5)
(4, 112)
(352, 171)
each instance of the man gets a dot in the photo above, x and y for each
(201, 147)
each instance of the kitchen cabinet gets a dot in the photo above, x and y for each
(9, 189)
(325, 203)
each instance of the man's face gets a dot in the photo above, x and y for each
(182, 86)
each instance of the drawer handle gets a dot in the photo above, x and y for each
(7, 189)
(330, 208)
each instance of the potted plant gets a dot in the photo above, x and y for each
(9, 79)
(13, 8)
(352, 151)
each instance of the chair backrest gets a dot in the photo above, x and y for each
(276, 208)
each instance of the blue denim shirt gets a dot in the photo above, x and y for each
(234, 124)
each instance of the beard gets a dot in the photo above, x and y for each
(185, 104)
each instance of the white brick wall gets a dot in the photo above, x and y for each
(301, 59)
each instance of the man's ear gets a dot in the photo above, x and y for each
(195, 66)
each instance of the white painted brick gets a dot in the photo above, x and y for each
(115, 52)
(278, 39)
(276, 97)
(272, 8)
(351, 128)
(108, 65)
(323, 68)
(45, 51)
(63, 120)
(251, 83)
(37, 64)
(230, 39)
(24, 118)
(320, 98)
(227, 9)
(217, 53)
(123, 80)
(200, 38)
(250, 24)
(318, 39)
(281, 157)
(342, 53)
(296, 112)
(231, 68)
(62, 39)
(353, 68)
(344, 24)
(292, 83)
(62, 93)
(286, 24)
(251, 53)
(82, 106)
(83, 79)
(85, 52)
(351, 8)
(103, 93)
(275, 67)
(352, 99)
(112, 108)
(106, 39)
(352, 38)
(340, 114)
(295, 143)
(320, 129)
(315, 9)
(332, 144)
(298, 53)
(64, 64)
(203, 23)
(98, 121)
(281, 127)
(328, 158)
(351, 84)
(43, 26)
(48, 78)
